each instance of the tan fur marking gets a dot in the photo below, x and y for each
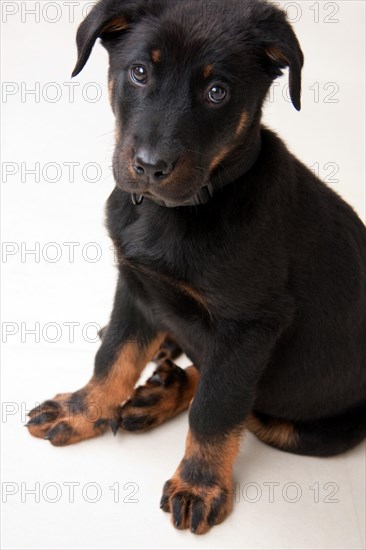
(117, 24)
(220, 455)
(207, 71)
(124, 373)
(172, 399)
(111, 89)
(275, 54)
(131, 171)
(156, 56)
(176, 403)
(117, 133)
(193, 379)
(242, 123)
(277, 432)
(193, 293)
(219, 157)
(218, 458)
(89, 411)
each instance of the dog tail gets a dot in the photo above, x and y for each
(324, 437)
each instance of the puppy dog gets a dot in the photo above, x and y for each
(229, 249)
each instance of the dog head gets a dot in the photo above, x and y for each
(187, 81)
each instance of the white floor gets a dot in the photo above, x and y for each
(283, 501)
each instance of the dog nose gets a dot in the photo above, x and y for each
(148, 165)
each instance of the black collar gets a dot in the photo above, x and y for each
(221, 177)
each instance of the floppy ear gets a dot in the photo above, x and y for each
(108, 18)
(281, 49)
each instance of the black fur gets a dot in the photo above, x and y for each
(278, 257)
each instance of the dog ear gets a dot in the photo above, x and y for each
(280, 49)
(107, 19)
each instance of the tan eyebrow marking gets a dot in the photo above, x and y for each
(207, 71)
(115, 25)
(156, 56)
(275, 54)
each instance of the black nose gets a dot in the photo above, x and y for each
(149, 166)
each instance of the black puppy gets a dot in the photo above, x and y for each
(229, 248)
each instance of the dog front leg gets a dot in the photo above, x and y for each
(200, 493)
(129, 343)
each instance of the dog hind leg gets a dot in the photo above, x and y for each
(165, 394)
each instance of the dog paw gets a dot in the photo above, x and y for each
(163, 396)
(169, 349)
(67, 419)
(196, 507)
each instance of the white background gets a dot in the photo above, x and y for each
(37, 290)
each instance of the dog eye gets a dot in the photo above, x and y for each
(217, 94)
(138, 74)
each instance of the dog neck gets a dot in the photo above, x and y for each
(222, 176)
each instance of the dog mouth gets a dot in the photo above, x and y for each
(172, 200)
(177, 189)
(163, 195)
